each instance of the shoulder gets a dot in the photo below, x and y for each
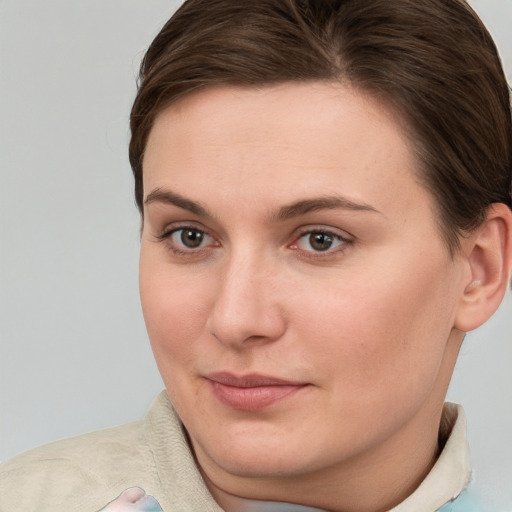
(66, 471)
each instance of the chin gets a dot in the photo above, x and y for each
(262, 455)
(261, 465)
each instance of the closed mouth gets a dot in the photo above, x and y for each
(251, 392)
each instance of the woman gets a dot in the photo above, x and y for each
(325, 200)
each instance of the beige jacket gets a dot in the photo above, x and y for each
(83, 474)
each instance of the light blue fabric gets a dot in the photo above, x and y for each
(466, 502)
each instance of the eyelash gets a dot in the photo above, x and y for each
(167, 236)
(342, 242)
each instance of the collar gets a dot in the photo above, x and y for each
(183, 482)
(452, 471)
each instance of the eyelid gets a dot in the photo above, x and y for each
(171, 227)
(322, 228)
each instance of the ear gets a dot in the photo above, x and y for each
(489, 256)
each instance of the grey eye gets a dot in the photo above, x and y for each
(189, 238)
(319, 241)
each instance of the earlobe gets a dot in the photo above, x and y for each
(489, 256)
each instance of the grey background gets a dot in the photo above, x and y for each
(74, 354)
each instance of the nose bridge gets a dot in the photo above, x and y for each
(246, 306)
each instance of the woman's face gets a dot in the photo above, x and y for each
(298, 296)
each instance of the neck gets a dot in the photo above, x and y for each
(376, 482)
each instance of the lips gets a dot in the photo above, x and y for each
(251, 392)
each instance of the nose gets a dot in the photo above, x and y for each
(246, 308)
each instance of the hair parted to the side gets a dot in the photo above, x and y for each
(432, 61)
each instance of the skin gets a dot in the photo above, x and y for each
(369, 326)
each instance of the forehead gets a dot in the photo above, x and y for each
(282, 141)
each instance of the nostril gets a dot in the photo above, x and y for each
(243, 310)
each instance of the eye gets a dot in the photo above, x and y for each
(319, 241)
(190, 238)
(187, 239)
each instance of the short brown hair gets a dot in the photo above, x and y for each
(433, 61)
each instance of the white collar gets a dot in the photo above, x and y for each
(451, 472)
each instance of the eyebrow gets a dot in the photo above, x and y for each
(305, 206)
(296, 209)
(168, 197)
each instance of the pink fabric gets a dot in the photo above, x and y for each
(133, 500)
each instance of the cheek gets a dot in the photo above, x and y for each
(378, 333)
(174, 308)
(174, 312)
